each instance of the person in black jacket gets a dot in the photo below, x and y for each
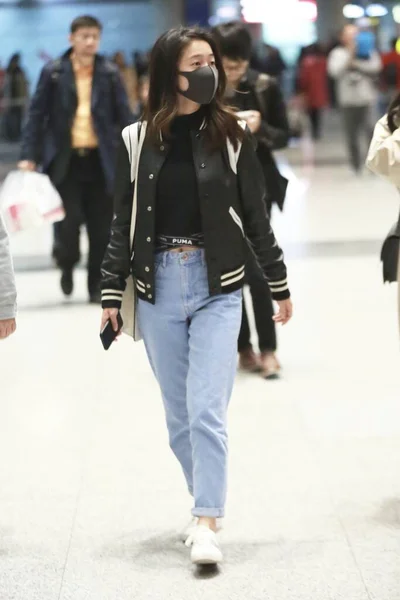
(16, 93)
(79, 107)
(259, 101)
(199, 191)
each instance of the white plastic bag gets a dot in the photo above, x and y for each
(28, 200)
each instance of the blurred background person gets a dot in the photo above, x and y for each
(129, 78)
(268, 59)
(384, 159)
(79, 105)
(259, 101)
(390, 77)
(141, 61)
(8, 292)
(2, 79)
(312, 83)
(15, 98)
(355, 66)
(143, 94)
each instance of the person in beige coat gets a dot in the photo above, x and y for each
(384, 155)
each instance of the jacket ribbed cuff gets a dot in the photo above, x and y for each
(281, 295)
(111, 298)
(279, 289)
(8, 312)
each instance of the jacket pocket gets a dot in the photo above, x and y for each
(236, 219)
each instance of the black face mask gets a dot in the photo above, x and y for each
(203, 84)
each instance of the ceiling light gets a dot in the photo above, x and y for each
(377, 10)
(308, 10)
(396, 13)
(353, 11)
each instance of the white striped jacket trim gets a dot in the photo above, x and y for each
(112, 292)
(278, 286)
(140, 286)
(233, 277)
(281, 289)
(111, 295)
(236, 218)
(106, 297)
(232, 274)
(234, 280)
(277, 283)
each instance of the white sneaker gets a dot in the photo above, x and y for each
(205, 546)
(190, 528)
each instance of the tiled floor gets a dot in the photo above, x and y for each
(91, 498)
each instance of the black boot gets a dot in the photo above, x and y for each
(67, 282)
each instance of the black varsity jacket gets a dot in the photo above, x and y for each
(233, 207)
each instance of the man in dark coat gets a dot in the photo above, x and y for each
(79, 108)
(259, 101)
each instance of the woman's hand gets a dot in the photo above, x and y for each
(252, 118)
(110, 314)
(285, 311)
(7, 328)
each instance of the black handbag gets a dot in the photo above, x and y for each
(390, 254)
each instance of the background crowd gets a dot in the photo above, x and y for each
(309, 85)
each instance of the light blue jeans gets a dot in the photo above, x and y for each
(191, 341)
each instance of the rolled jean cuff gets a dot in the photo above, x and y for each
(212, 513)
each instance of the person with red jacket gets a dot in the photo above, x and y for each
(313, 84)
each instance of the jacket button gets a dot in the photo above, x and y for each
(197, 135)
(151, 176)
(147, 269)
(149, 208)
(149, 239)
(149, 296)
(148, 286)
(203, 165)
(162, 148)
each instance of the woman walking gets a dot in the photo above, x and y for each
(313, 84)
(260, 103)
(200, 191)
(384, 159)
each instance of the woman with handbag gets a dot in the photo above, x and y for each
(384, 159)
(198, 190)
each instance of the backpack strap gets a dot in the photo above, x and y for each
(133, 137)
(233, 154)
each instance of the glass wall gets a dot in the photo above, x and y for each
(41, 32)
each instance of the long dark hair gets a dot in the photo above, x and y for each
(161, 107)
(394, 113)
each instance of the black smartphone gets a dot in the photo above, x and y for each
(108, 334)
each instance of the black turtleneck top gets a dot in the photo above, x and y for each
(178, 216)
